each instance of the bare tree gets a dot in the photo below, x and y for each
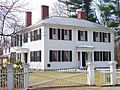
(60, 9)
(10, 20)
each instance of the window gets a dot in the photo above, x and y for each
(66, 56)
(35, 35)
(60, 34)
(5, 50)
(35, 56)
(101, 37)
(25, 37)
(96, 36)
(107, 37)
(102, 56)
(60, 56)
(13, 56)
(31, 36)
(19, 56)
(54, 56)
(67, 35)
(82, 35)
(97, 56)
(16, 40)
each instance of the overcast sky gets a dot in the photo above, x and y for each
(35, 6)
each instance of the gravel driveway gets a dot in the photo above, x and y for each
(82, 88)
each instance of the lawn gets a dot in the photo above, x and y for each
(54, 78)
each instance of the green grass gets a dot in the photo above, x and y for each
(63, 78)
(57, 78)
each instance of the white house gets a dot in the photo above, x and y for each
(61, 42)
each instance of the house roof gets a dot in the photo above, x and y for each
(73, 22)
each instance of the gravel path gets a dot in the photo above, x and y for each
(82, 88)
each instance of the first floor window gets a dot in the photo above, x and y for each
(66, 56)
(102, 56)
(13, 55)
(54, 56)
(60, 56)
(35, 56)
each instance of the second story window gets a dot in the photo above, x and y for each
(35, 35)
(96, 36)
(25, 37)
(101, 37)
(60, 34)
(54, 34)
(82, 35)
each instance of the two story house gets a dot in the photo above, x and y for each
(62, 42)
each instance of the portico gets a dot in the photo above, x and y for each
(85, 54)
(22, 53)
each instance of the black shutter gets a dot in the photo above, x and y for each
(31, 36)
(20, 40)
(40, 55)
(86, 36)
(95, 56)
(109, 37)
(78, 35)
(70, 34)
(62, 56)
(58, 34)
(100, 37)
(70, 56)
(30, 56)
(50, 56)
(103, 37)
(109, 56)
(62, 34)
(59, 59)
(94, 37)
(50, 33)
(101, 57)
(39, 34)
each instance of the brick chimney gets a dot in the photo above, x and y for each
(44, 12)
(81, 14)
(28, 20)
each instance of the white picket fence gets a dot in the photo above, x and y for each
(14, 79)
(22, 79)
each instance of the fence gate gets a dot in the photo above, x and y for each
(57, 78)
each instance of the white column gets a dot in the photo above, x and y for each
(10, 79)
(81, 59)
(90, 70)
(89, 57)
(16, 56)
(113, 72)
(26, 76)
(92, 56)
(22, 57)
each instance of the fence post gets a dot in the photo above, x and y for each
(26, 76)
(113, 72)
(90, 70)
(10, 79)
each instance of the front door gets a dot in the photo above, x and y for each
(25, 57)
(84, 58)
